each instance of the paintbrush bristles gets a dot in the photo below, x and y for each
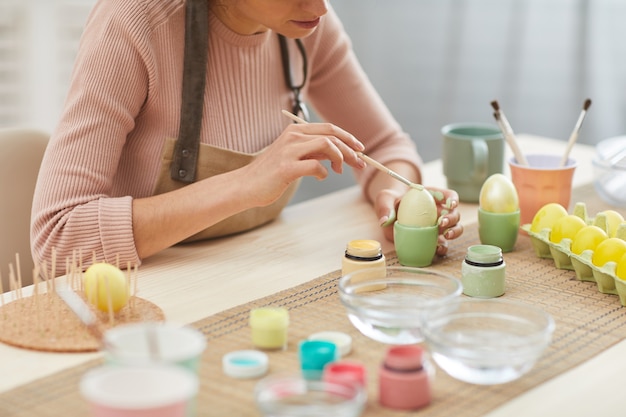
(507, 131)
(574, 135)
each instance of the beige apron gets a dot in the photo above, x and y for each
(186, 160)
(213, 161)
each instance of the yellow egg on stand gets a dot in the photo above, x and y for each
(106, 285)
(498, 195)
(417, 208)
(416, 230)
(498, 213)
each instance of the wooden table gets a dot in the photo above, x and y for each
(190, 282)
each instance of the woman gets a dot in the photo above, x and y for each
(97, 187)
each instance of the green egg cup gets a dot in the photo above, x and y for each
(415, 246)
(498, 229)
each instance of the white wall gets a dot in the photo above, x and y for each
(38, 42)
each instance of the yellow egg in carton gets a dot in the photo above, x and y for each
(572, 248)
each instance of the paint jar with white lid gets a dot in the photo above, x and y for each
(483, 272)
(364, 254)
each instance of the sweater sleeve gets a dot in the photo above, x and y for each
(74, 210)
(341, 93)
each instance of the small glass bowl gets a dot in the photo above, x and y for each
(609, 170)
(487, 342)
(294, 396)
(389, 309)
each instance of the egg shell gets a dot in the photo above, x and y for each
(498, 195)
(104, 281)
(417, 208)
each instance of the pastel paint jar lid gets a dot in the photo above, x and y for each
(269, 317)
(244, 364)
(484, 254)
(315, 354)
(406, 357)
(364, 248)
(342, 340)
(345, 372)
(139, 387)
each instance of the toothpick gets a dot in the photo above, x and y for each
(574, 136)
(109, 299)
(19, 273)
(53, 270)
(366, 158)
(36, 297)
(13, 282)
(1, 291)
(509, 136)
(136, 274)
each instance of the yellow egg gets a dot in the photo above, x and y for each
(566, 227)
(417, 208)
(613, 220)
(620, 268)
(609, 250)
(498, 195)
(104, 282)
(587, 238)
(546, 216)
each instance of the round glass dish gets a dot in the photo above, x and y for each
(609, 170)
(487, 342)
(389, 309)
(294, 396)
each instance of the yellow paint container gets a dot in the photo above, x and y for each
(269, 327)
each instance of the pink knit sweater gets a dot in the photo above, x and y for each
(124, 100)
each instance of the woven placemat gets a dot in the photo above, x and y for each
(587, 322)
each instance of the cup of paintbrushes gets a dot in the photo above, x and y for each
(542, 181)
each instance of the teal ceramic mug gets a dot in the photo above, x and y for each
(471, 153)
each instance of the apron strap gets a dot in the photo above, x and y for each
(183, 167)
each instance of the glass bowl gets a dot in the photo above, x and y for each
(388, 308)
(293, 396)
(487, 342)
(609, 170)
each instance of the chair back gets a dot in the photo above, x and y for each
(21, 152)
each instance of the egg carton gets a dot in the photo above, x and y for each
(604, 276)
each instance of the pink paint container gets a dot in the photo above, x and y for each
(346, 373)
(404, 383)
(140, 391)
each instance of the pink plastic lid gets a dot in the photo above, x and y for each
(404, 357)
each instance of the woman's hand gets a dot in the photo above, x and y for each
(386, 205)
(296, 153)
